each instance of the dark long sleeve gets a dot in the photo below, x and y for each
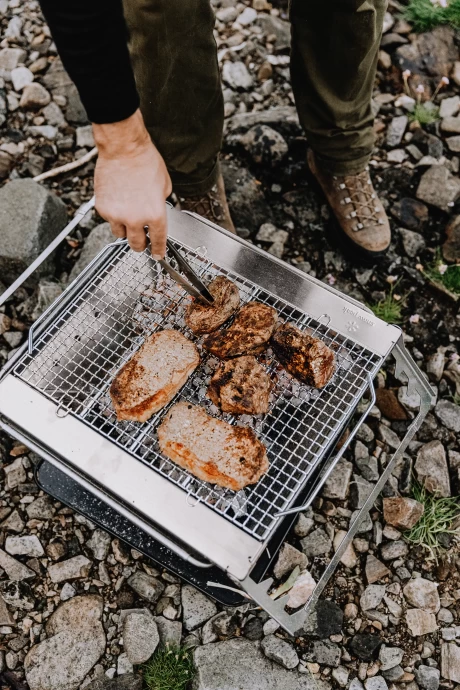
(91, 38)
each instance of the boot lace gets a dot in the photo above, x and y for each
(208, 205)
(361, 196)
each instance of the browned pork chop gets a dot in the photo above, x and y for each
(204, 318)
(153, 375)
(248, 335)
(305, 357)
(212, 450)
(241, 386)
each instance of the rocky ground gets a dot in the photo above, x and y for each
(80, 610)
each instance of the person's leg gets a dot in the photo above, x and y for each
(333, 63)
(174, 58)
(334, 59)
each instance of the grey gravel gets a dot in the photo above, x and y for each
(28, 545)
(288, 558)
(438, 187)
(146, 586)
(236, 75)
(375, 683)
(280, 651)
(449, 414)
(197, 608)
(70, 569)
(390, 657)
(140, 636)
(337, 484)
(431, 468)
(372, 597)
(324, 652)
(427, 678)
(395, 132)
(15, 570)
(100, 544)
(317, 543)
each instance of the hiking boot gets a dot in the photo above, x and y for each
(213, 205)
(357, 208)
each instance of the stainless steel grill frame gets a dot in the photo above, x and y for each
(77, 346)
(76, 357)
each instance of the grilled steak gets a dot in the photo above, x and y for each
(241, 386)
(205, 318)
(305, 357)
(152, 377)
(211, 449)
(248, 335)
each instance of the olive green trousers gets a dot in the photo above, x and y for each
(333, 62)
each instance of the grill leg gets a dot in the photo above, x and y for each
(295, 623)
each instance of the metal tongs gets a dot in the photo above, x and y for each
(195, 287)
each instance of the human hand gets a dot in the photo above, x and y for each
(131, 184)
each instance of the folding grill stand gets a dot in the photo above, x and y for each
(93, 484)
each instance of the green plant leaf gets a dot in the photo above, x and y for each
(425, 15)
(286, 586)
(437, 520)
(170, 668)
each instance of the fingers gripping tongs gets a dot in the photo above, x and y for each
(195, 287)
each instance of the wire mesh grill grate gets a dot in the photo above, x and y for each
(77, 355)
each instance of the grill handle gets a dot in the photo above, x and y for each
(46, 252)
(322, 478)
(297, 623)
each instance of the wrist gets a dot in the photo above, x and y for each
(125, 138)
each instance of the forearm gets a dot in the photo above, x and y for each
(91, 38)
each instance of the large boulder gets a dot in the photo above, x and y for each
(30, 218)
(76, 641)
(239, 663)
(430, 55)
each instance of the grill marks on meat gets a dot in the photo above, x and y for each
(211, 449)
(248, 335)
(203, 318)
(153, 375)
(241, 386)
(303, 356)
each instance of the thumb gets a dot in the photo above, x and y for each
(158, 234)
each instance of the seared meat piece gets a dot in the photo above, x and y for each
(205, 318)
(212, 450)
(153, 375)
(248, 335)
(241, 386)
(305, 357)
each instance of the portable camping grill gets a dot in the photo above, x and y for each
(54, 398)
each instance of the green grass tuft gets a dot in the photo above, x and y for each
(170, 668)
(425, 113)
(435, 522)
(389, 309)
(424, 15)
